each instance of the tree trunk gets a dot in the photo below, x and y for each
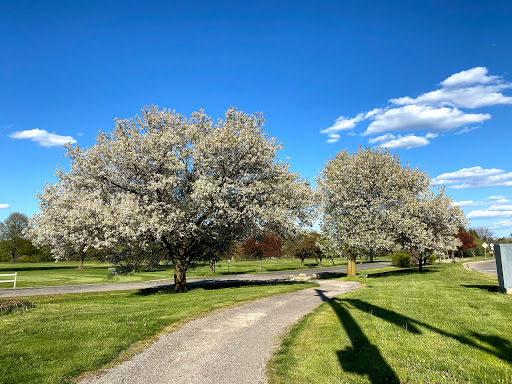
(302, 263)
(212, 265)
(82, 258)
(180, 276)
(332, 259)
(13, 253)
(420, 263)
(351, 267)
(261, 264)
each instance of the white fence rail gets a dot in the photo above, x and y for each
(13, 280)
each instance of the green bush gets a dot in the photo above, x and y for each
(401, 260)
(431, 259)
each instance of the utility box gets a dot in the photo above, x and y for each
(503, 253)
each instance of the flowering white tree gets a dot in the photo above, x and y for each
(186, 183)
(69, 221)
(429, 225)
(366, 196)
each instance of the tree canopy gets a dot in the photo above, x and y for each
(12, 233)
(371, 203)
(186, 183)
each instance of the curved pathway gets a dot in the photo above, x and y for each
(269, 277)
(488, 267)
(231, 346)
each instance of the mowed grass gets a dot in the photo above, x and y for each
(66, 273)
(65, 335)
(447, 325)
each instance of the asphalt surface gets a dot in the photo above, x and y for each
(231, 346)
(270, 277)
(488, 267)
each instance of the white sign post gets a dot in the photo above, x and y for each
(485, 245)
(491, 251)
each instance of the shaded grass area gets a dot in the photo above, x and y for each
(66, 273)
(445, 326)
(65, 335)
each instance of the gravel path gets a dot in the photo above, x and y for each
(231, 346)
(270, 277)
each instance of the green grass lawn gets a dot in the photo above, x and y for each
(66, 273)
(447, 325)
(65, 335)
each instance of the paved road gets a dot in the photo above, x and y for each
(488, 267)
(273, 276)
(231, 346)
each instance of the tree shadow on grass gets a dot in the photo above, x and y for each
(404, 271)
(497, 346)
(362, 357)
(215, 284)
(490, 288)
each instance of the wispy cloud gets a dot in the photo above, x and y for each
(475, 177)
(343, 123)
(501, 224)
(467, 129)
(487, 214)
(466, 203)
(435, 111)
(43, 138)
(4, 206)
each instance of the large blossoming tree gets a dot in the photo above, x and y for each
(185, 183)
(372, 203)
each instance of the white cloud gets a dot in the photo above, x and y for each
(495, 198)
(466, 203)
(466, 89)
(380, 139)
(343, 123)
(477, 75)
(474, 97)
(43, 138)
(415, 117)
(502, 201)
(475, 177)
(435, 111)
(4, 206)
(487, 213)
(431, 135)
(500, 208)
(333, 138)
(405, 142)
(501, 224)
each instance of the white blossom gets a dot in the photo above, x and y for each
(182, 182)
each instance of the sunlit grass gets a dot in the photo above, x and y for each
(65, 335)
(447, 325)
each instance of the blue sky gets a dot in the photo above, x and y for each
(431, 82)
